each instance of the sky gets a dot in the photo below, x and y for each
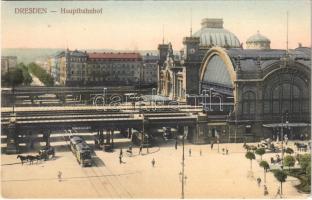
(139, 25)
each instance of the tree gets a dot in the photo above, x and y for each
(42, 74)
(304, 161)
(13, 79)
(260, 152)
(27, 76)
(289, 150)
(281, 176)
(289, 161)
(308, 172)
(265, 165)
(251, 156)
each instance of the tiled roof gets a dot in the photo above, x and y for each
(118, 56)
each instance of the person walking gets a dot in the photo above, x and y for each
(121, 153)
(120, 159)
(265, 192)
(278, 193)
(200, 152)
(140, 151)
(59, 176)
(176, 144)
(211, 145)
(153, 162)
(259, 181)
(226, 151)
(190, 152)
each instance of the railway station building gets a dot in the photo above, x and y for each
(248, 93)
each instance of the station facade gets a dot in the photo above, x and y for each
(248, 94)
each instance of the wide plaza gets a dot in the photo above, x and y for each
(209, 175)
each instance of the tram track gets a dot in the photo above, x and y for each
(103, 183)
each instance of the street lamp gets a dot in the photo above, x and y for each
(181, 174)
(282, 135)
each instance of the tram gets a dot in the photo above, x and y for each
(81, 150)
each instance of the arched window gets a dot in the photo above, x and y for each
(249, 103)
(286, 97)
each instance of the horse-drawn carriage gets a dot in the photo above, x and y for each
(267, 144)
(46, 152)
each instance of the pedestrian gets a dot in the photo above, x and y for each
(259, 181)
(226, 151)
(59, 176)
(211, 145)
(266, 192)
(190, 152)
(176, 144)
(200, 152)
(120, 159)
(278, 193)
(153, 162)
(141, 147)
(121, 153)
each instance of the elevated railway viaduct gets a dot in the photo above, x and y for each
(44, 120)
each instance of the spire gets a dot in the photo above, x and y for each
(163, 39)
(287, 32)
(191, 24)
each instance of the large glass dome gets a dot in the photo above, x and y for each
(212, 33)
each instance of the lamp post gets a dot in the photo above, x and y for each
(182, 175)
(282, 135)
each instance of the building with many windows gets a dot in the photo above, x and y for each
(150, 63)
(75, 68)
(248, 93)
(8, 63)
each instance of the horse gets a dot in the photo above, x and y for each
(22, 158)
(31, 159)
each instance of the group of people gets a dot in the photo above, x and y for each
(130, 152)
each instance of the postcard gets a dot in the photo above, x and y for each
(156, 99)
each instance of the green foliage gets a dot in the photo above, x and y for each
(260, 152)
(304, 161)
(280, 175)
(13, 78)
(249, 155)
(305, 179)
(42, 75)
(289, 150)
(27, 76)
(308, 173)
(265, 165)
(289, 161)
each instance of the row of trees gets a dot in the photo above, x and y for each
(289, 161)
(42, 75)
(18, 76)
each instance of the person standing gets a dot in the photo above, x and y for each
(121, 153)
(266, 192)
(190, 152)
(140, 151)
(153, 162)
(278, 193)
(59, 176)
(120, 159)
(200, 152)
(211, 145)
(176, 144)
(259, 181)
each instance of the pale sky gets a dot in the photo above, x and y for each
(138, 25)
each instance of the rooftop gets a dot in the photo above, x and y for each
(111, 55)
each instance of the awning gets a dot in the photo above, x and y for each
(274, 125)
